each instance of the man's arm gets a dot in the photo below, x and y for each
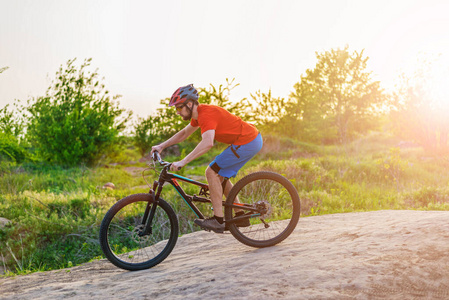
(176, 139)
(206, 143)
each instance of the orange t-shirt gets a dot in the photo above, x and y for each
(229, 128)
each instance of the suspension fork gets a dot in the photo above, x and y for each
(150, 210)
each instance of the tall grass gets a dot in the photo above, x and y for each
(369, 174)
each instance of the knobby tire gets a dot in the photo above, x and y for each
(119, 237)
(281, 200)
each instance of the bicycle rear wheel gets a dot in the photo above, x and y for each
(270, 202)
(121, 237)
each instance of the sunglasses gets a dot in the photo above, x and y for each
(179, 108)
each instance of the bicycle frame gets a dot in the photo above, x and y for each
(172, 178)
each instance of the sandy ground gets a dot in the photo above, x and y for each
(372, 255)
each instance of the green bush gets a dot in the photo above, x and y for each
(77, 121)
(145, 135)
(10, 148)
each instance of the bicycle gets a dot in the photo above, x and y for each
(141, 230)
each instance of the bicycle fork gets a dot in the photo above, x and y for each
(150, 210)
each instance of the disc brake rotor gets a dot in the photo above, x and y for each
(136, 234)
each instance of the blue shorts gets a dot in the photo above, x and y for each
(232, 159)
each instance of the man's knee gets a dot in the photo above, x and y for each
(211, 173)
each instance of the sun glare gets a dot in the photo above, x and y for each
(438, 83)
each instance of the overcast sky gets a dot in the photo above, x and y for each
(147, 49)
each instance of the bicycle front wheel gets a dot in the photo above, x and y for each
(271, 208)
(122, 236)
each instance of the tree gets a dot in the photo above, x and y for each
(157, 128)
(270, 114)
(11, 128)
(145, 134)
(421, 106)
(337, 100)
(221, 97)
(77, 121)
(11, 122)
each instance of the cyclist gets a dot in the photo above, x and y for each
(218, 124)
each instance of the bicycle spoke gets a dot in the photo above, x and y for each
(123, 240)
(275, 199)
(124, 237)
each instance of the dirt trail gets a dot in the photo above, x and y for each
(371, 255)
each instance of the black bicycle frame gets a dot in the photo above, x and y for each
(172, 178)
(189, 199)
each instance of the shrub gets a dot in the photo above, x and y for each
(10, 149)
(77, 121)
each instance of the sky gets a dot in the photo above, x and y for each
(146, 49)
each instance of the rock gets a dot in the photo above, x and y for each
(2, 265)
(109, 185)
(4, 222)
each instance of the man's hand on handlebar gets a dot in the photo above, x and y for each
(156, 156)
(176, 166)
(157, 148)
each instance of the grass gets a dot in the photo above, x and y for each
(56, 212)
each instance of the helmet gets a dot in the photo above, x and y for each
(183, 94)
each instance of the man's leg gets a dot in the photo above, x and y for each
(216, 191)
(226, 191)
(215, 223)
(228, 187)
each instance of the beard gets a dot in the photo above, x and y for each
(188, 117)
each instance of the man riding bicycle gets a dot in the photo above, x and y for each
(217, 124)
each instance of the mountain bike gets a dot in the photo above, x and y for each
(141, 230)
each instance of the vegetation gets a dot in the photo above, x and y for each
(336, 101)
(56, 212)
(331, 138)
(77, 121)
(10, 129)
(13, 149)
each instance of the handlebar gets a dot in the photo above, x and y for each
(157, 157)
